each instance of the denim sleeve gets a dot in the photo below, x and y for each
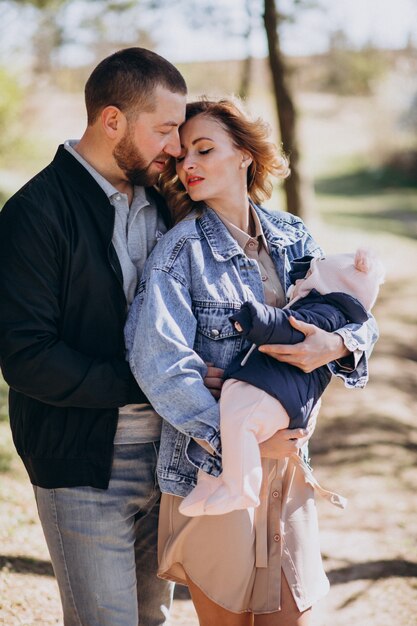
(160, 334)
(356, 337)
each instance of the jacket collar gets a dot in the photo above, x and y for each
(223, 246)
(70, 168)
(274, 236)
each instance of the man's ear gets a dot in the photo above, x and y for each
(113, 122)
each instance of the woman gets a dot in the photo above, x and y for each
(262, 565)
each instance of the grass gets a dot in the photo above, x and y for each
(3, 400)
(7, 452)
(379, 199)
(394, 212)
(368, 181)
(364, 447)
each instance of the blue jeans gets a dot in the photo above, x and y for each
(103, 544)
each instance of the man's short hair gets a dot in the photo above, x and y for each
(127, 80)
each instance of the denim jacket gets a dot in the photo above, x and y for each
(194, 280)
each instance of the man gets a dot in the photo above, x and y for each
(73, 243)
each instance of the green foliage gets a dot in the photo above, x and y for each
(353, 72)
(10, 107)
(349, 71)
(42, 4)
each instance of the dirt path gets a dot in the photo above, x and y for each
(365, 447)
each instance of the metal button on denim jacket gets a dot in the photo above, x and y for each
(194, 279)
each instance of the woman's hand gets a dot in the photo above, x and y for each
(214, 380)
(283, 443)
(287, 442)
(318, 348)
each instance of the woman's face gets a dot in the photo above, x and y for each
(209, 166)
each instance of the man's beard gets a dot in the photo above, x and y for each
(132, 163)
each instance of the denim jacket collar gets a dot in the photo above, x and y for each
(223, 246)
(221, 242)
(273, 238)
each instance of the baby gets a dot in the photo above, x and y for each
(262, 395)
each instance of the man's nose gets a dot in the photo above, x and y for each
(173, 147)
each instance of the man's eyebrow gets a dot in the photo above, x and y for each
(169, 123)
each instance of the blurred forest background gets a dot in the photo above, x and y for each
(345, 110)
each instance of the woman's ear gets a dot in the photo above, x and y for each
(113, 122)
(246, 160)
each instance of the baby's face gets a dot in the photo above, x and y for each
(238, 327)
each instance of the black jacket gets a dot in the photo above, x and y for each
(297, 391)
(62, 314)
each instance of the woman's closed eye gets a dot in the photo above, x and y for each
(182, 156)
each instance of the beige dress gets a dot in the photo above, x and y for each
(236, 559)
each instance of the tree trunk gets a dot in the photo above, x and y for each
(245, 77)
(287, 116)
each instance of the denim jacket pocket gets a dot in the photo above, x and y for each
(216, 338)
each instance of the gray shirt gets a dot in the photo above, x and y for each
(137, 228)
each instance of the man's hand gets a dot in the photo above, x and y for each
(214, 380)
(318, 348)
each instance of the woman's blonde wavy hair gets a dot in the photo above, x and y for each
(249, 135)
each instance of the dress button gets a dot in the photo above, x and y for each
(277, 537)
(275, 494)
(264, 278)
(215, 332)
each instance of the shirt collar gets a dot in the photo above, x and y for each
(243, 238)
(139, 193)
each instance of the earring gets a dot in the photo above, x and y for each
(242, 165)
